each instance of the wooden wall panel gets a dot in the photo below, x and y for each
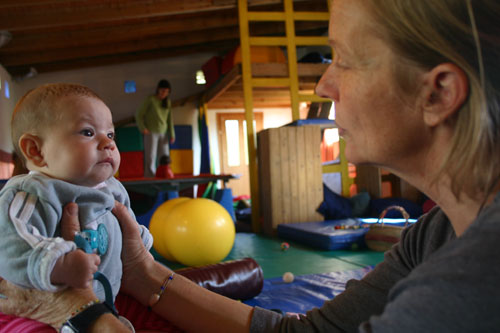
(291, 185)
(301, 172)
(284, 177)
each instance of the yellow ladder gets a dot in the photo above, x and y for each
(289, 16)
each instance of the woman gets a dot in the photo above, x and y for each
(154, 120)
(416, 89)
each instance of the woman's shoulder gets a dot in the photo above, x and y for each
(150, 98)
(433, 228)
(489, 218)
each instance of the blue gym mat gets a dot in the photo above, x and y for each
(324, 235)
(305, 292)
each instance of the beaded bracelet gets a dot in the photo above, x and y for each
(155, 298)
(82, 308)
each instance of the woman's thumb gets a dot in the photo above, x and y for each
(70, 224)
(127, 223)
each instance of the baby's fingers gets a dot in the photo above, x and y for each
(95, 260)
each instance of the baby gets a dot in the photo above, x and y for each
(64, 133)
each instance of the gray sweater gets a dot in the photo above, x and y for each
(431, 281)
(31, 208)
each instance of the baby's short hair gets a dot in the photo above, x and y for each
(35, 110)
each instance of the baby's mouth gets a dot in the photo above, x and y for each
(108, 160)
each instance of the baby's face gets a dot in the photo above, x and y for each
(79, 147)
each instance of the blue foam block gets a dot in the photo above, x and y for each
(324, 123)
(225, 198)
(183, 137)
(323, 235)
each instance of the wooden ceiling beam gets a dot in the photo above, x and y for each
(120, 48)
(42, 14)
(109, 35)
(77, 37)
(113, 59)
(70, 34)
(8, 58)
(6, 4)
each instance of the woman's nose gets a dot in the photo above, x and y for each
(326, 86)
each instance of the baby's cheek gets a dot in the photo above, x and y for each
(117, 160)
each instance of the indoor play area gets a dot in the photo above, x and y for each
(297, 269)
(291, 221)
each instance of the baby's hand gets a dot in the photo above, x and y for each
(75, 269)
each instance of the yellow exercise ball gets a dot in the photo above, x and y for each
(199, 232)
(157, 226)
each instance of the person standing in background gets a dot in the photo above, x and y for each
(154, 119)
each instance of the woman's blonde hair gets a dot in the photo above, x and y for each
(34, 112)
(467, 34)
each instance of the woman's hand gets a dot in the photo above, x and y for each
(47, 307)
(136, 259)
(76, 268)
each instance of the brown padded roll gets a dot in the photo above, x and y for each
(238, 279)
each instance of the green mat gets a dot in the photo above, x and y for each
(298, 259)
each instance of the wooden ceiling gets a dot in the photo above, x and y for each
(50, 35)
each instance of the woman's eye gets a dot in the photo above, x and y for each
(87, 132)
(338, 63)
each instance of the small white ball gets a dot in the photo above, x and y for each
(288, 277)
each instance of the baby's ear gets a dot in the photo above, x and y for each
(31, 147)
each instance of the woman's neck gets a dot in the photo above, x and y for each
(460, 211)
(421, 170)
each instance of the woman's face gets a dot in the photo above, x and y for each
(379, 124)
(163, 93)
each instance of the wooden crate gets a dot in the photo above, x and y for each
(290, 175)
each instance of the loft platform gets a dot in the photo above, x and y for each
(227, 92)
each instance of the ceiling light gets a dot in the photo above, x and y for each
(200, 77)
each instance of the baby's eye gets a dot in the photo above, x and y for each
(87, 132)
(111, 135)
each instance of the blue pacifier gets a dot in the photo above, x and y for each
(89, 240)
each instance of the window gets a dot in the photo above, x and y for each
(6, 89)
(233, 142)
(130, 86)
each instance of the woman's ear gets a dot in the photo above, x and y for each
(446, 88)
(31, 147)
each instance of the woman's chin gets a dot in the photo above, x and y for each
(353, 157)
